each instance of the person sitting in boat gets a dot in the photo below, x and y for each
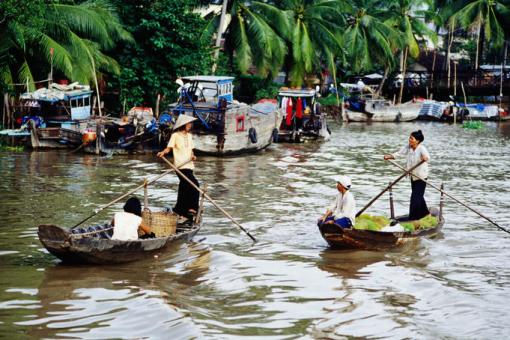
(181, 144)
(127, 223)
(415, 152)
(343, 211)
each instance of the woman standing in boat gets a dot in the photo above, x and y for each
(343, 211)
(181, 143)
(415, 152)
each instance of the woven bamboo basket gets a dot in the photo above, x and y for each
(162, 223)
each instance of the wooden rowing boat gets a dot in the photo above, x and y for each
(350, 238)
(80, 245)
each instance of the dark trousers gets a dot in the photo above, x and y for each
(418, 207)
(187, 196)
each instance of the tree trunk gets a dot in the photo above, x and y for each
(379, 89)
(219, 34)
(432, 75)
(478, 45)
(403, 77)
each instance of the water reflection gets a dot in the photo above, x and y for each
(289, 284)
(102, 302)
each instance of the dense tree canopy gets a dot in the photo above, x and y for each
(141, 46)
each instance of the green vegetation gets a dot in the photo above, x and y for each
(370, 222)
(473, 125)
(330, 100)
(6, 147)
(137, 49)
(428, 221)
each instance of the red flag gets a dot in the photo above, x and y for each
(51, 51)
(288, 119)
(299, 108)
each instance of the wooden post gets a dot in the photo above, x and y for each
(157, 105)
(454, 78)
(392, 208)
(145, 195)
(441, 201)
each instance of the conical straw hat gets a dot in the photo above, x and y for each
(183, 120)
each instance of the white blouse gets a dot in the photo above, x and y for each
(344, 206)
(414, 157)
(126, 226)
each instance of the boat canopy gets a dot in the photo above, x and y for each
(57, 92)
(296, 93)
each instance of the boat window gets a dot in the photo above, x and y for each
(86, 101)
(239, 123)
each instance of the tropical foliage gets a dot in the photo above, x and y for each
(70, 37)
(168, 46)
(141, 46)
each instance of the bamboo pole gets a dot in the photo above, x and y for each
(403, 76)
(453, 198)
(144, 184)
(209, 198)
(407, 172)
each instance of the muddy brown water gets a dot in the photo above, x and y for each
(289, 284)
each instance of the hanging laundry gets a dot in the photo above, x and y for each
(299, 108)
(288, 118)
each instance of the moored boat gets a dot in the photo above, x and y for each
(224, 126)
(381, 110)
(303, 117)
(47, 111)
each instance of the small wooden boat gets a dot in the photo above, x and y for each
(352, 238)
(81, 245)
(349, 238)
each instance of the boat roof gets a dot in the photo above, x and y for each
(209, 79)
(57, 92)
(296, 93)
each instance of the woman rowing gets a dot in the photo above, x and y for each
(415, 152)
(181, 143)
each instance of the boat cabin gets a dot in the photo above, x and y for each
(207, 98)
(57, 105)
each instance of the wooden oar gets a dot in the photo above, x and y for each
(209, 198)
(97, 211)
(407, 172)
(453, 198)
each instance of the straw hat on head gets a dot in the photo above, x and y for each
(183, 120)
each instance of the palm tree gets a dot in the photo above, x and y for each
(250, 37)
(408, 17)
(72, 38)
(484, 17)
(313, 35)
(368, 39)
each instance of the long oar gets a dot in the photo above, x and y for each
(407, 172)
(209, 198)
(455, 199)
(97, 211)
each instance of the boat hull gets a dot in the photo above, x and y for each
(88, 250)
(340, 238)
(237, 138)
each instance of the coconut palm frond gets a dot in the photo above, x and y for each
(25, 75)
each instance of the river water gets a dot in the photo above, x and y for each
(287, 285)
